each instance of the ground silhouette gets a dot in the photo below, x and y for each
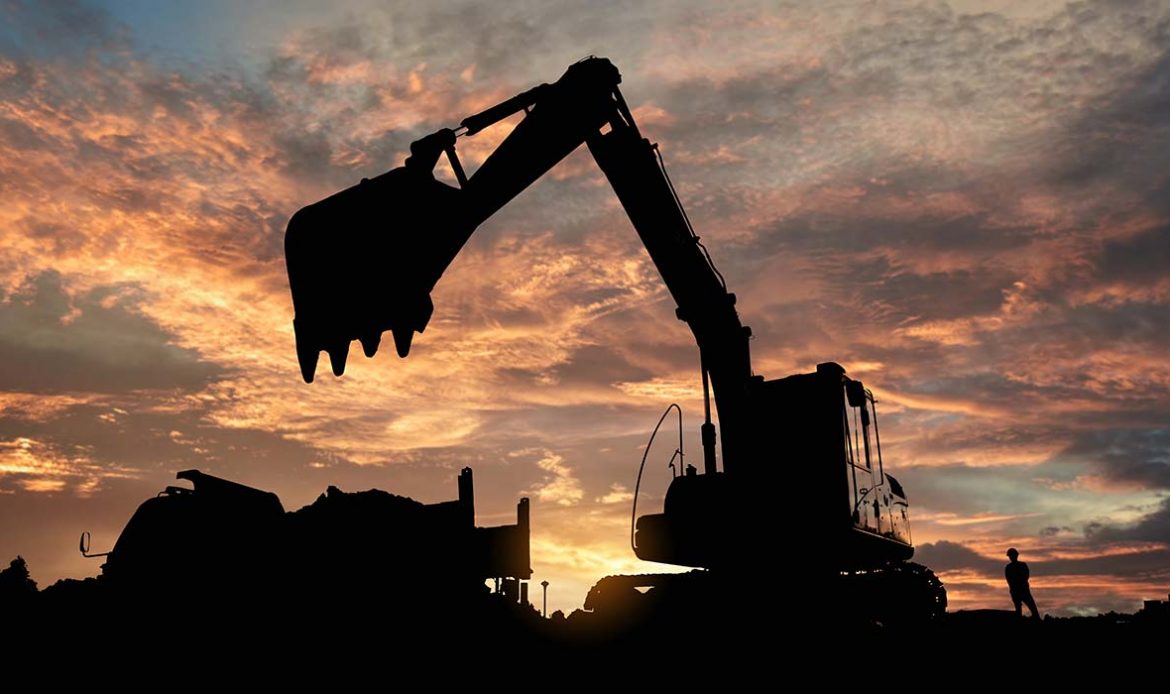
(373, 580)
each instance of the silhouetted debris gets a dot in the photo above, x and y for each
(1157, 611)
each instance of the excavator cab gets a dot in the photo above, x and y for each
(878, 501)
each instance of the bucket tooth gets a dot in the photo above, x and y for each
(370, 343)
(337, 357)
(402, 338)
(307, 353)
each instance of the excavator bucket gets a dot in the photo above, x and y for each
(365, 260)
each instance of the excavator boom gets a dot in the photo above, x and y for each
(366, 259)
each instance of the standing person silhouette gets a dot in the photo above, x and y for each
(1016, 573)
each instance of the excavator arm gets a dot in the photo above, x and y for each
(365, 260)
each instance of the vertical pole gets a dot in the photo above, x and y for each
(467, 497)
(524, 570)
(707, 430)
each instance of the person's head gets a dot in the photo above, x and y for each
(1013, 553)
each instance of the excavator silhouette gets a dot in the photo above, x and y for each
(802, 482)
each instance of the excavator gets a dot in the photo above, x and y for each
(793, 482)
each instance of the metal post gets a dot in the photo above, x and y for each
(467, 497)
(544, 584)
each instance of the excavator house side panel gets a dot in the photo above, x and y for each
(796, 421)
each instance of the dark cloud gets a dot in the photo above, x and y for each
(1153, 564)
(824, 233)
(601, 365)
(97, 342)
(952, 556)
(57, 28)
(1131, 324)
(1140, 258)
(19, 136)
(869, 262)
(1153, 527)
(525, 40)
(1127, 456)
(305, 154)
(1123, 135)
(61, 238)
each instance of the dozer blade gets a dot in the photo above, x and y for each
(365, 260)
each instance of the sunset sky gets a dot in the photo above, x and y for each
(966, 204)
